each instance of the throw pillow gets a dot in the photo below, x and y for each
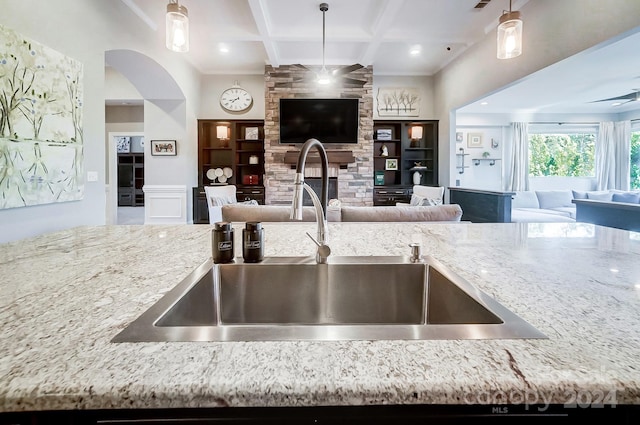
(549, 199)
(629, 197)
(421, 201)
(579, 195)
(603, 195)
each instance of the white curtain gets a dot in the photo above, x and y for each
(612, 155)
(518, 172)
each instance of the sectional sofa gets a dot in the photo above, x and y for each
(612, 208)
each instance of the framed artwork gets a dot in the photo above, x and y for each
(164, 148)
(251, 133)
(383, 134)
(124, 144)
(459, 137)
(398, 102)
(391, 164)
(474, 140)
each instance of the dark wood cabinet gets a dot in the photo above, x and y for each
(400, 150)
(389, 195)
(130, 179)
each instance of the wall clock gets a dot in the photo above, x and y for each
(236, 99)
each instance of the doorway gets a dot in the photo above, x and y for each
(126, 178)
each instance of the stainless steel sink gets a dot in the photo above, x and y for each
(351, 298)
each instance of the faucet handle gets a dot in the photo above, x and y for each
(323, 250)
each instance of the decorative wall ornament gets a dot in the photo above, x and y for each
(41, 152)
(474, 140)
(398, 102)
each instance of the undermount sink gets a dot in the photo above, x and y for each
(350, 298)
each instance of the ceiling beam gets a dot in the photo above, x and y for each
(140, 14)
(259, 13)
(386, 15)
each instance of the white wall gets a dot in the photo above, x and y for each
(424, 85)
(84, 30)
(214, 85)
(481, 174)
(548, 38)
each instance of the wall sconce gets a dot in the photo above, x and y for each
(415, 135)
(222, 132)
(509, 35)
(177, 27)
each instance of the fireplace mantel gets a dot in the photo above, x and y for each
(338, 157)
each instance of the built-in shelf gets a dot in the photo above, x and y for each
(461, 154)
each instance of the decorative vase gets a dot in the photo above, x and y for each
(416, 177)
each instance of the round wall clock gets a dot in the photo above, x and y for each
(236, 99)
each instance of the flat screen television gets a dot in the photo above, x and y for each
(328, 120)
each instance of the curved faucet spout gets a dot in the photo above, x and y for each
(319, 204)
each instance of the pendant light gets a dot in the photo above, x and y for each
(177, 27)
(510, 35)
(324, 77)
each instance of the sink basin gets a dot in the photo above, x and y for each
(351, 298)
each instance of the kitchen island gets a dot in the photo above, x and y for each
(65, 295)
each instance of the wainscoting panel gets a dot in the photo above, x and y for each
(165, 204)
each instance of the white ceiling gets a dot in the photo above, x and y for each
(571, 86)
(368, 32)
(381, 33)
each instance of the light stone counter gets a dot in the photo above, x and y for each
(63, 296)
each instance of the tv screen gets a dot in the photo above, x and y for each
(328, 120)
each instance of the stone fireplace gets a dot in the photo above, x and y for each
(354, 179)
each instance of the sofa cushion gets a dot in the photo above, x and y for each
(568, 211)
(554, 198)
(448, 212)
(525, 199)
(629, 197)
(532, 215)
(603, 195)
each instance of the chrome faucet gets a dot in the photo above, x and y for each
(320, 205)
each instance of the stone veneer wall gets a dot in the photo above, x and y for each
(355, 184)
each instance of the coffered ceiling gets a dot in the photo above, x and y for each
(369, 32)
(241, 36)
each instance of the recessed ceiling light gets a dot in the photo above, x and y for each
(415, 50)
(223, 49)
(616, 104)
(484, 103)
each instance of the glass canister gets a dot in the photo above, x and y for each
(253, 242)
(222, 242)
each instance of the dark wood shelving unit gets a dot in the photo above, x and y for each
(130, 179)
(396, 185)
(242, 151)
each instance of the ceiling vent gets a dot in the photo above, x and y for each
(481, 4)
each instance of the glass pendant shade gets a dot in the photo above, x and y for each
(177, 28)
(510, 36)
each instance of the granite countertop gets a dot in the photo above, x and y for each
(65, 295)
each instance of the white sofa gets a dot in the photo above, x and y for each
(543, 206)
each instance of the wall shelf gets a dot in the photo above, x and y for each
(461, 154)
(492, 161)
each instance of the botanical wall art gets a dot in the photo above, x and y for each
(41, 157)
(398, 102)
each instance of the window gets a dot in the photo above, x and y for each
(634, 157)
(562, 150)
